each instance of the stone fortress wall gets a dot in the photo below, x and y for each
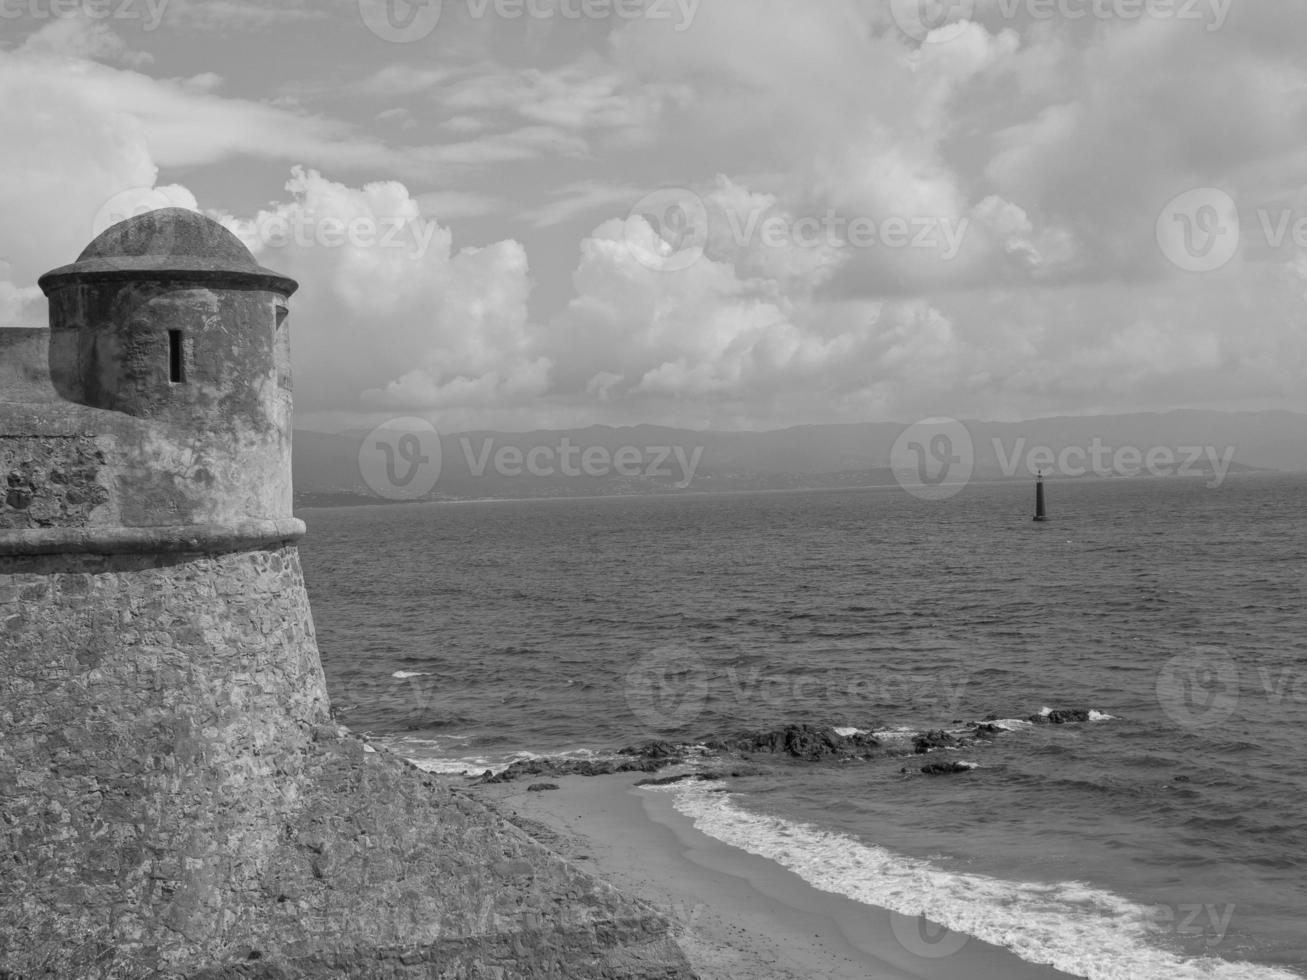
(175, 800)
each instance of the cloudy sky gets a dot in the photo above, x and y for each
(707, 213)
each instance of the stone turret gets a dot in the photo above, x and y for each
(176, 801)
(166, 318)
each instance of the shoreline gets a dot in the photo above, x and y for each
(736, 915)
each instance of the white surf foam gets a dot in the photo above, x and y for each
(1012, 724)
(848, 732)
(897, 734)
(1082, 930)
(452, 767)
(466, 765)
(404, 675)
(476, 765)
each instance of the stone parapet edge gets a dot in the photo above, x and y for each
(185, 539)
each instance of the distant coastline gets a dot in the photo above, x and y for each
(648, 460)
(314, 499)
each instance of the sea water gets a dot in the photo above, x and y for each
(1165, 838)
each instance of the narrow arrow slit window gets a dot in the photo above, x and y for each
(176, 362)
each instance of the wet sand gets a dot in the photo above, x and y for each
(739, 916)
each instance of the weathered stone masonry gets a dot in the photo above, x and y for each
(175, 800)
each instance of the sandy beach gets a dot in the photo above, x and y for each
(736, 915)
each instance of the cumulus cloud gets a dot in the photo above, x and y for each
(389, 316)
(1006, 182)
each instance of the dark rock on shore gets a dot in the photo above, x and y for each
(1060, 717)
(575, 767)
(939, 739)
(658, 749)
(541, 787)
(807, 742)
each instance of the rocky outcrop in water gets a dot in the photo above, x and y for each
(1060, 717)
(809, 743)
(929, 741)
(798, 742)
(575, 767)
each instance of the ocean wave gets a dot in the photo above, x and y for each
(478, 764)
(1082, 930)
(1011, 724)
(456, 767)
(897, 734)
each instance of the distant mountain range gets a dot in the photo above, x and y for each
(606, 461)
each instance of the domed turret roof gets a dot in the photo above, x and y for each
(169, 244)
